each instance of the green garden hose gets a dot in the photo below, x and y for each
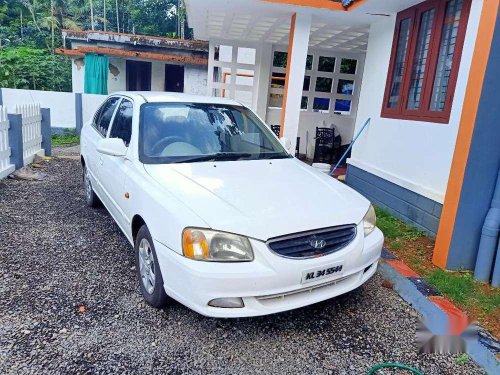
(375, 368)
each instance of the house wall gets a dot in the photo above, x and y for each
(413, 155)
(195, 77)
(482, 168)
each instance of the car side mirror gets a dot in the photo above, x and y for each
(285, 142)
(112, 146)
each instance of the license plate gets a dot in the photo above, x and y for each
(321, 273)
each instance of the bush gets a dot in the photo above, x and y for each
(34, 69)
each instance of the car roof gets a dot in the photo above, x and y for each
(173, 97)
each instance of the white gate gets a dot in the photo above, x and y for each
(32, 131)
(5, 167)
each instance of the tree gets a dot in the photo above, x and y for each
(33, 31)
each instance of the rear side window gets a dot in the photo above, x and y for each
(122, 124)
(104, 115)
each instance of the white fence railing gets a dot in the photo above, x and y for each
(32, 131)
(6, 167)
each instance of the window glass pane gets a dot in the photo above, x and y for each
(223, 53)
(399, 63)
(246, 55)
(321, 105)
(222, 75)
(307, 83)
(326, 64)
(278, 80)
(348, 66)
(177, 132)
(309, 62)
(303, 102)
(343, 106)
(244, 77)
(420, 59)
(345, 87)
(276, 100)
(106, 114)
(446, 52)
(122, 124)
(324, 84)
(280, 59)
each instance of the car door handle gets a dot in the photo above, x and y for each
(101, 161)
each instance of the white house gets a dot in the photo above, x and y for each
(420, 70)
(139, 62)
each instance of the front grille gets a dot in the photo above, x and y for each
(314, 243)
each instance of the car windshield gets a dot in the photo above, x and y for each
(191, 132)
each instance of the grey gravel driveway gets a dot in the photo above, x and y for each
(70, 304)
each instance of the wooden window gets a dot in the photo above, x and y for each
(425, 59)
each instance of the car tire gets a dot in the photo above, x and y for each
(148, 270)
(91, 198)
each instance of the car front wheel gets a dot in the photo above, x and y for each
(91, 198)
(148, 270)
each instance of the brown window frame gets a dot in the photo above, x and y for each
(424, 113)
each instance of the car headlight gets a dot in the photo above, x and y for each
(213, 246)
(369, 221)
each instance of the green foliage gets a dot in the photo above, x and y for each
(69, 137)
(30, 30)
(36, 69)
(394, 228)
(461, 288)
(462, 359)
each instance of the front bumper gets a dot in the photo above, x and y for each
(270, 283)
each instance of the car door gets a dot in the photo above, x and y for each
(113, 169)
(94, 134)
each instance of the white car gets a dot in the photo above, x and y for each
(221, 216)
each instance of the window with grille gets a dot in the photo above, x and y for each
(425, 59)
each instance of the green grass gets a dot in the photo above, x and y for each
(462, 359)
(394, 229)
(69, 137)
(461, 288)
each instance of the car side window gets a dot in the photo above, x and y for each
(104, 115)
(122, 124)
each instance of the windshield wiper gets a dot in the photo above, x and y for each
(219, 156)
(271, 155)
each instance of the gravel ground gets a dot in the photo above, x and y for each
(70, 303)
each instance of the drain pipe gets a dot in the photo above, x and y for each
(489, 239)
(495, 279)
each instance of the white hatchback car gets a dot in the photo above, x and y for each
(222, 218)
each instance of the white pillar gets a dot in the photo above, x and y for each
(297, 55)
(262, 79)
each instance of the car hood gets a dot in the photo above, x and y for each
(261, 198)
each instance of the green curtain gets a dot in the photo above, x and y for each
(96, 74)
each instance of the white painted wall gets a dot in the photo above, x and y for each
(413, 154)
(195, 77)
(90, 103)
(61, 104)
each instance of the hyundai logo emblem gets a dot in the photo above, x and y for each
(317, 243)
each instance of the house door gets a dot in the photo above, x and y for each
(138, 75)
(174, 78)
